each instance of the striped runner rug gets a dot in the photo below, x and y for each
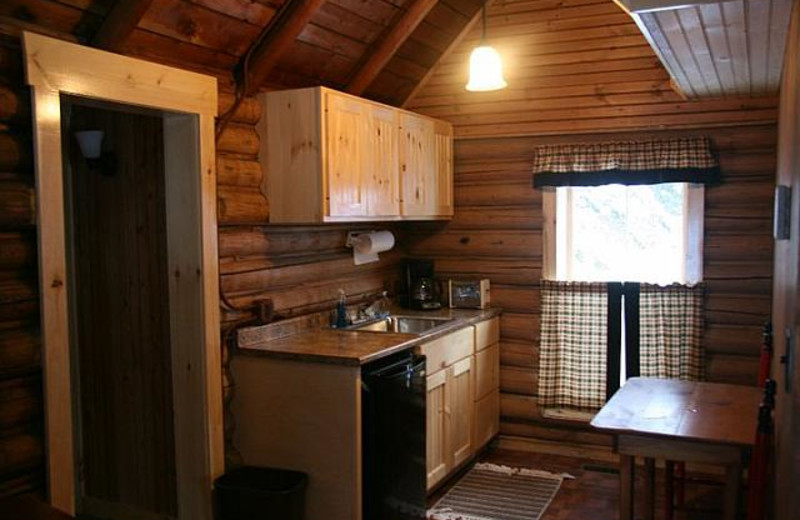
(492, 492)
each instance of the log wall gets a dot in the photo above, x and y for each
(588, 75)
(21, 419)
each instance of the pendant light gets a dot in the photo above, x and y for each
(485, 65)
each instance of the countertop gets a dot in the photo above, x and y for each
(355, 348)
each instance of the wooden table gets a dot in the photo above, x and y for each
(680, 421)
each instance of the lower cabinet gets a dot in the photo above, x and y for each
(463, 399)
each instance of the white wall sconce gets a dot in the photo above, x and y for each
(91, 145)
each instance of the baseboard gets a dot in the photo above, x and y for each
(599, 453)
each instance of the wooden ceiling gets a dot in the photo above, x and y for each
(377, 48)
(718, 49)
(387, 49)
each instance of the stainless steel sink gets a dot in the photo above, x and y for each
(404, 324)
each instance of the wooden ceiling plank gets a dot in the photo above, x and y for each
(736, 29)
(758, 27)
(279, 38)
(652, 30)
(384, 51)
(120, 22)
(447, 52)
(694, 32)
(711, 14)
(779, 30)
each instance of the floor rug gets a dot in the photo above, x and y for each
(491, 492)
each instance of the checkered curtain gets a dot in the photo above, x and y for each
(670, 331)
(572, 358)
(626, 162)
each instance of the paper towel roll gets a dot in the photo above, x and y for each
(367, 246)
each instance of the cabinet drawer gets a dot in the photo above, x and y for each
(487, 333)
(448, 349)
(487, 419)
(487, 370)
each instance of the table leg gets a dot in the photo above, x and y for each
(733, 481)
(649, 488)
(626, 481)
(669, 489)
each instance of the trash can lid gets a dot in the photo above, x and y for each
(271, 480)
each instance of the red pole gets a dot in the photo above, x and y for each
(766, 355)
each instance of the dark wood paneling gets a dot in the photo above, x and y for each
(122, 302)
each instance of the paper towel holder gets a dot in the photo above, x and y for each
(352, 237)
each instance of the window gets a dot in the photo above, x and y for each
(623, 237)
(650, 233)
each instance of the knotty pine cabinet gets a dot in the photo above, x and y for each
(333, 157)
(462, 404)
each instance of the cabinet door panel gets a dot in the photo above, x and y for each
(462, 405)
(437, 456)
(487, 370)
(443, 159)
(382, 183)
(417, 166)
(346, 121)
(487, 418)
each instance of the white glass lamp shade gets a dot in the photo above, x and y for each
(485, 70)
(91, 142)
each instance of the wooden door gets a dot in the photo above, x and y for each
(417, 168)
(121, 309)
(345, 125)
(437, 410)
(382, 183)
(443, 163)
(786, 293)
(462, 405)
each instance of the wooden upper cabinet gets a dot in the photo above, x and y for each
(334, 157)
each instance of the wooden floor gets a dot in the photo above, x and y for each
(593, 493)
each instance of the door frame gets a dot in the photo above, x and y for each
(189, 104)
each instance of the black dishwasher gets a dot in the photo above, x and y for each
(393, 437)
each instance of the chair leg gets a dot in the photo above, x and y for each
(680, 477)
(669, 490)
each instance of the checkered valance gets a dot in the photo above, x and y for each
(626, 162)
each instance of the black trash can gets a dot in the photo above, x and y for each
(251, 493)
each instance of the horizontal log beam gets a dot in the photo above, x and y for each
(121, 21)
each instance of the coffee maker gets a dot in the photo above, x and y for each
(417, 288)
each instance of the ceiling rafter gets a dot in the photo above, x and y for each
(447, 52)
(276, 39)
(395, 37)
(121, 21)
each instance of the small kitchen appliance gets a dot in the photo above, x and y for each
(417, 288)
(469, 294)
